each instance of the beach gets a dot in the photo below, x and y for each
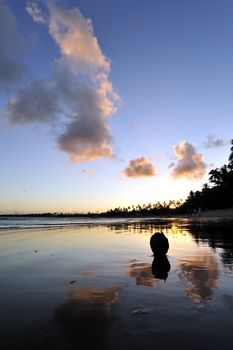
(116, 142)
(218, 213)
(99, 286)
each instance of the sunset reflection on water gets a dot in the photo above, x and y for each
(101, 286)
(201, 273)
(87, 315)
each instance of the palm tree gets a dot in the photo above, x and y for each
(219, 176)
(205, 187)
(215, 176)
(230, 164)
(149, 206)
(224, 174)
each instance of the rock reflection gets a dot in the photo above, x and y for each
(87, 316)
(201, 272)
(142, 274)
(160, 267)
(146, 274)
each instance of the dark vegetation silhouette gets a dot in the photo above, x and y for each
(218, 236)
(217, 194)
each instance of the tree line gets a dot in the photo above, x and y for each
(164, 208)
(216, 194)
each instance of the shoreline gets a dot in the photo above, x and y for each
(64, 222)
(216, 213)
(224, 213)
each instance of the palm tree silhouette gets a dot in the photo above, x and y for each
(219, 176)
(230, 164)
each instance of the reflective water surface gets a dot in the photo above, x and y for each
(100, 287)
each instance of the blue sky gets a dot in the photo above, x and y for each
(107, 104)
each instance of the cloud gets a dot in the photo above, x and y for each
(75, 37)
(35, 12)
(214, 142)
(87, 136)
(88, 172)
(37, 102)
(78, 97)
(190, 164)
(12, 44)
(139, 167)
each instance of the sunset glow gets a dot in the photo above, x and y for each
(106, 104)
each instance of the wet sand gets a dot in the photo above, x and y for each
(224, 213)
(218, 213)
(100, 287)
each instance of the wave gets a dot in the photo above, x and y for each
(44, 222)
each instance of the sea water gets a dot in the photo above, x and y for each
(98, 285)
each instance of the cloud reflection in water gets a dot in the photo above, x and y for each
(142, 274)
(87, 316)
(147, 274)
(201, 273)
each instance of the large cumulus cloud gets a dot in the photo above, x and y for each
(78, 96)
(38, 102)
(139, 167)
(75, 37)
(190, 164)
(87, 135)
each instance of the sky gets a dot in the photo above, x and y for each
(112, 103)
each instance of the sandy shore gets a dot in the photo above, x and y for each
(219, 213)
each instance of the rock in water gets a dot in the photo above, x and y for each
(159, 243)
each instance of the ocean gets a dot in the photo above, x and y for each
(69, 283)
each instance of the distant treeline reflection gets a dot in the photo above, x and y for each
(218, 236)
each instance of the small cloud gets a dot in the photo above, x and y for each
(35, 12)
(137, 128)
(139, 167)
(214, 142)
(190, 163)
(88, 172)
